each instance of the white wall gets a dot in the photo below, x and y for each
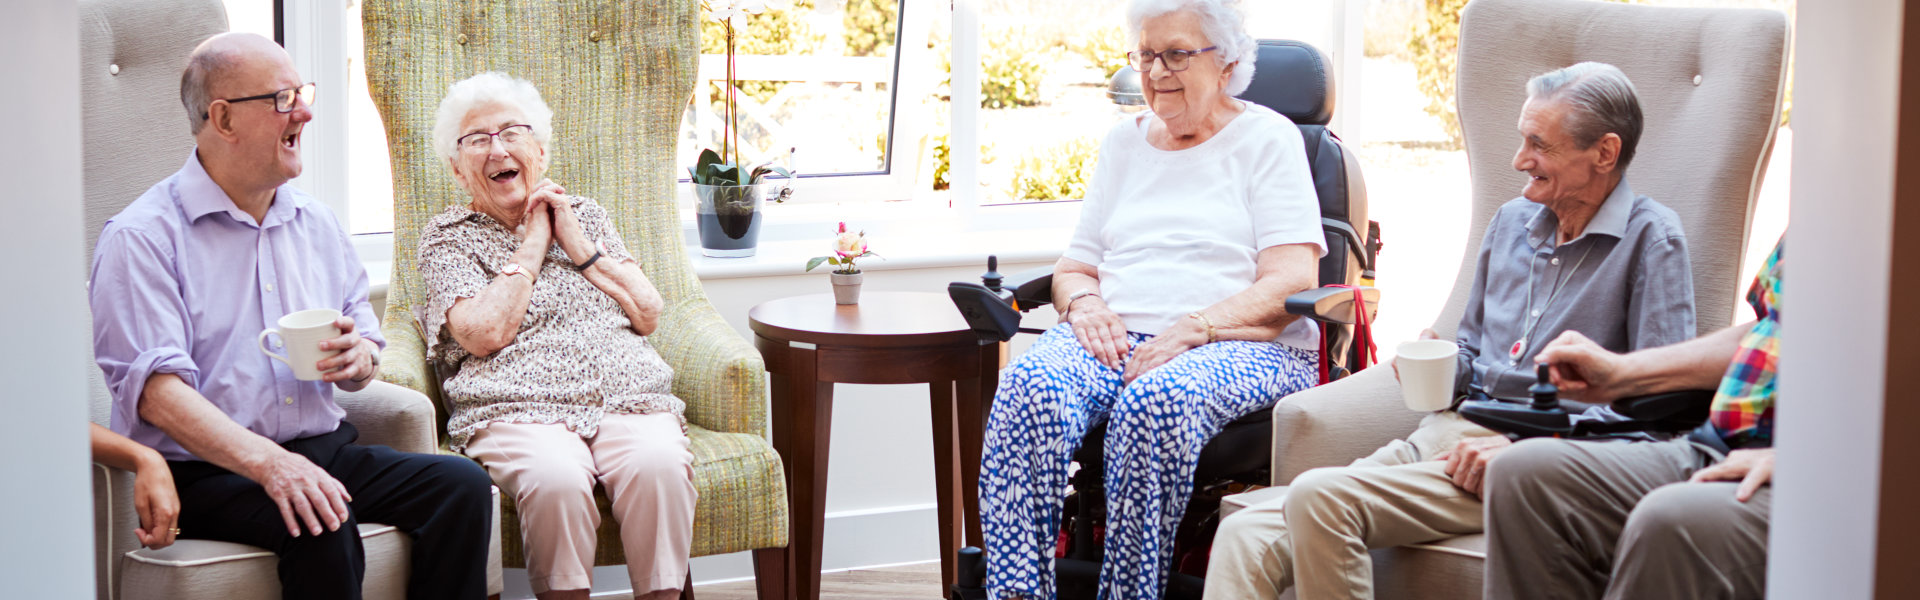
(1833, 350)
(45, 521)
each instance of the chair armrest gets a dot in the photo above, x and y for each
(390, 415)
(1334, 424)
(404, 361)
(715, 371)
(114, 520)
(1032, 288)
(1332, 304)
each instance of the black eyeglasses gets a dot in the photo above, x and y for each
(1173, 60)
(481, 141)
(283, 100)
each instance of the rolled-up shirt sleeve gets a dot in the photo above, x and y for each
(140, 326)
(451, 274)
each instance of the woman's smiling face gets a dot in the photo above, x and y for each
(498, 174)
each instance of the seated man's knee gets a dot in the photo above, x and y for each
(1530, 462)
(1685, 511)
(463, 480)
(1319, 489)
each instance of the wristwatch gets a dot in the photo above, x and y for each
(1068, 305)
(514, 268)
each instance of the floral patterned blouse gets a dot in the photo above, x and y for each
(576, 356)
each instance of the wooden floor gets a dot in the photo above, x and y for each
(911, 582)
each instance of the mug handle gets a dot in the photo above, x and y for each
(262, 342)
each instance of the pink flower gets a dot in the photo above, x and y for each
(849, 243)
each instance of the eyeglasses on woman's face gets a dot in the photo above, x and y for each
(283, 100)
(1173, 60)
(481, 141)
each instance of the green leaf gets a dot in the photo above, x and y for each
(815, 262)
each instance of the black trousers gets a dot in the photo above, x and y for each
(444, 502)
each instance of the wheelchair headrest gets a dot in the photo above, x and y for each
(1293, 79)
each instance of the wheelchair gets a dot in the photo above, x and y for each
(1678, 412)
(1293, 79)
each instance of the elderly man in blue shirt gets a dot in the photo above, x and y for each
(184, 281)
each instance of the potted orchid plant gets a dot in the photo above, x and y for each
(729, 194)
(847, 277)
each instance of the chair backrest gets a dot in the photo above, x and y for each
(134, 133)
(1293, 79)
(626, 69)
(1710, 82)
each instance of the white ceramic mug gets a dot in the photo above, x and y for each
(1427, 369)
(301, 334)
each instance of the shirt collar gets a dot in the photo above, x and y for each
(1610, 220)
(200, 196)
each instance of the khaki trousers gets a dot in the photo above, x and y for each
(1316, 537)
(645, 462)
(1591, 519)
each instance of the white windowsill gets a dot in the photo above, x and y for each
(905, 235)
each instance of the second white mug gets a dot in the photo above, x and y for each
(301, 334)
(1427, 369)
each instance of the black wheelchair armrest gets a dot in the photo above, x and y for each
(1032, 288)
(1668, 412)
(1332, 304)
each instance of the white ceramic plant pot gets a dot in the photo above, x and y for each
(846, 288)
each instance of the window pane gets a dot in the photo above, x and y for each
(369, 173)
(252, 16)
(1044, 68)
(816, 79)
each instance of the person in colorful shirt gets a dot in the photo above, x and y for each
(1685, 518)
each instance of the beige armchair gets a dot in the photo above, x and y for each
(618, 76)
(135, 134)
(1710, 82)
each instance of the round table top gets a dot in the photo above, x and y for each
(881, 318)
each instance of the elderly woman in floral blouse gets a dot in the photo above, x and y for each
(536, 301)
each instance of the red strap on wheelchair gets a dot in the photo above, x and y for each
(1362, 334)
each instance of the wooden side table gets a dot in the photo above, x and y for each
(810, 343)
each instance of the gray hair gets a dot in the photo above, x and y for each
(1222, 21)
(487, 88)
(1603, 101)
(196, 84)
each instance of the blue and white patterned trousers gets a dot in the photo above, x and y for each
(1053, 393)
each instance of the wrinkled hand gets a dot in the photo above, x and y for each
(305, 493)
(1425, 334)
(1184, 335)
(566, 225)
(158, 506)
(1582, 369)
(536, 224)
(355, 361)
(1467, 462)
(1752, 468)
(1100, 331)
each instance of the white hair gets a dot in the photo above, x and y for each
(1222, 21)
(487, 88)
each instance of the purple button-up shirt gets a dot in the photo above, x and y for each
(184, 282)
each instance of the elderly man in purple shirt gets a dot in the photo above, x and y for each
(185, 280)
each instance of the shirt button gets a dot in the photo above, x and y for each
(1536, 312)
(277, 343)
(1554, 262)
(270, 286)
(289, 400)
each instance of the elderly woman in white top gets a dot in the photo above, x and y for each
(536, 302)
(1201, 220)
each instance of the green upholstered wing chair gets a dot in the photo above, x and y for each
(618, 76)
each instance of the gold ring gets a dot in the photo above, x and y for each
(175, 530)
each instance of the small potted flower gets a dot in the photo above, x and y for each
(847, 247)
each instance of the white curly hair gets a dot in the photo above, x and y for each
(487, 88)
(1222, 21)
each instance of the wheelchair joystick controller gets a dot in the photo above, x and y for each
(1545, 395)
(992, 277)
(1540, 418)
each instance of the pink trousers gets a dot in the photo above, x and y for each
(646, 464)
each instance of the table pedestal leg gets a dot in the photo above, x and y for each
(975, 402)
(802, 430)
(946, 480)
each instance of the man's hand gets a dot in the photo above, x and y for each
(1582, 369)
(1184, 335)
(305, 493)
(155, 501)
(1100, 331)
(1752, 468)
(354, 364)
(1467, 462)
(1425, 334)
